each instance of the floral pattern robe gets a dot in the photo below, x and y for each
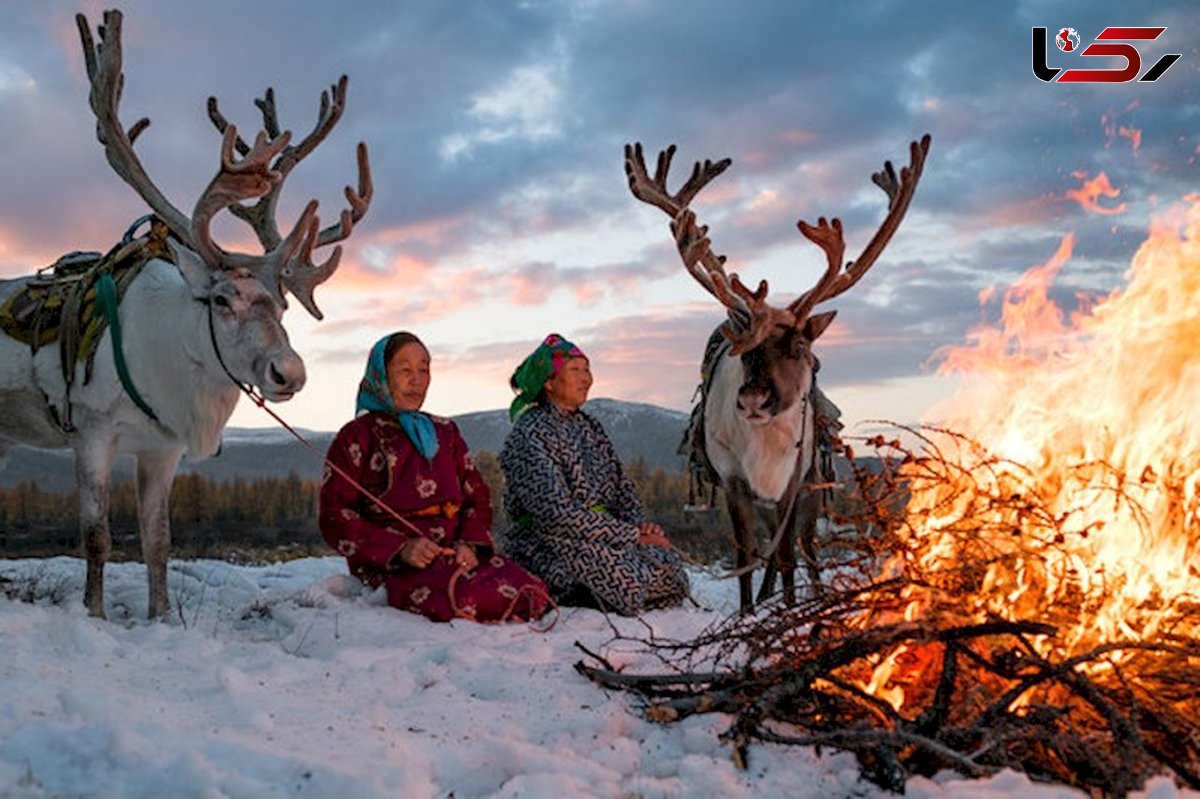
(574, 515)
(446, 500)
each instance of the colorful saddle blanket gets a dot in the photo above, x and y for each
(59, 302)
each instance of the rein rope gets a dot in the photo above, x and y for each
(261, 401)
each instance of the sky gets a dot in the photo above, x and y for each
(501, 211)
(291, 679)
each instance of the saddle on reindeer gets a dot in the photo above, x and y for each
(74, 300)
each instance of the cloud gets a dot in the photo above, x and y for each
(496, 133)
(652, 357)
(526, 105)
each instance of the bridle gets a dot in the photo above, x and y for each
(258, 399)
(246, 388)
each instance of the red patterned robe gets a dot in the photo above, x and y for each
(446, 500)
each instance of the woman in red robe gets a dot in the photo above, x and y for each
(402, 500)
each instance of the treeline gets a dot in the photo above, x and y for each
(274, 518)
(208, 518)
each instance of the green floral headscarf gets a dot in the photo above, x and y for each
(542, 364)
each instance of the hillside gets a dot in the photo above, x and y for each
(638, 431)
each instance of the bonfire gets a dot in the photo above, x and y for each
(1018, 587)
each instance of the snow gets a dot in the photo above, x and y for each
(266, 435)
(614, 411)
(293, 680)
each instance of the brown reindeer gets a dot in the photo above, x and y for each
(758, 406)
(200, 324)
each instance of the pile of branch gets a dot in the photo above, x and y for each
(979, 687)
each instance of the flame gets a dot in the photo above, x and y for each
(1133, 134)
(1113, 129)
(1098, 416)
(1089, 193)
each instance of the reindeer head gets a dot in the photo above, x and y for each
(774, 343)
(779, 371)
(246, 293)
(245, 326)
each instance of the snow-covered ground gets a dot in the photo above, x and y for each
(292, 680)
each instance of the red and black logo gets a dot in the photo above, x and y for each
(1111, 42)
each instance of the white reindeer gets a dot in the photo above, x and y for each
(758, 404)
(198, 329)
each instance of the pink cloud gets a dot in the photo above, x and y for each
(798, 136)
(530, 285)
(433, 232)
(651, 357)
(524, 288)
(1028, 211)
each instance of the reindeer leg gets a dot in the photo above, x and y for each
(808, 506)
(767, 586)
(770, 521)
(740, 503)
(93, 473)
(155, 471)
(784, 556)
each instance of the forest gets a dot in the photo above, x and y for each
(275, 518)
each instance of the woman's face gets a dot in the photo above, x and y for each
(408, 376)
(568, 388)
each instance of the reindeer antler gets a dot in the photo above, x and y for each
(235, 180)
(259, 174)
(751, 317)
(107, 81)
(261, 216)
(300, 276)
(828, 235)
(691, 239)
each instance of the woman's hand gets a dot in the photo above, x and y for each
(464, 557)
(419, 552)
(651, 534)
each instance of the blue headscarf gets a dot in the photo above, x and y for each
(374, 395)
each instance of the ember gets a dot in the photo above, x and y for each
(1018, 591)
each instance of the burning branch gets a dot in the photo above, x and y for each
(961, 634)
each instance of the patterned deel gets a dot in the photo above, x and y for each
(573, 514)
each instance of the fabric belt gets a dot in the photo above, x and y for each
(447, 509)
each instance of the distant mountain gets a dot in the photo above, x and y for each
(637, 430)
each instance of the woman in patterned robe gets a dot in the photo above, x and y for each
(431, 546)
(576, 521)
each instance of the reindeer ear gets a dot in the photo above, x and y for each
(196, 273)
(815, 325)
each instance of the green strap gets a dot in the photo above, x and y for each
(526, 519)
(106, 293)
